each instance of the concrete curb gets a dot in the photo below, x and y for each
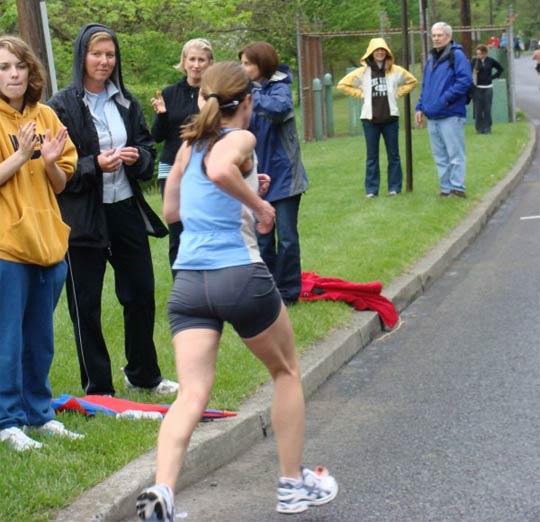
(216, 443)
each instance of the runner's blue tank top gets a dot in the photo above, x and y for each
(219, 231)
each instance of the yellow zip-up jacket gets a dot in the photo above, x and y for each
(358, 82)
(31, 226)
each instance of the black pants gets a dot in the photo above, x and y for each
(175, 229)
(129, 255)
(483, 99)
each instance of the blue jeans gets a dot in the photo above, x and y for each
(447, 137)
(390, 134)
(27, 300)
(283, 259)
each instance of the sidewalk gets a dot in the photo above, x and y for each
(213, 444)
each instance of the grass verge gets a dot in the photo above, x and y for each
(342, 234)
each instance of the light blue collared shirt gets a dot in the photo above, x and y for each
(112, 135)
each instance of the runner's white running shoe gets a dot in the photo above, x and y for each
(316, 488)
(156, 504)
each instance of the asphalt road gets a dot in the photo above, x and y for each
(437, 421)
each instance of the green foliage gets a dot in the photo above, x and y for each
(151, 32)
(143, 67)
(8, 16)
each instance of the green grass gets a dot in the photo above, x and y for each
(342, 234)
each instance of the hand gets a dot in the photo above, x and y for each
(265, 215)
(158, 103)
(52, 149)
(27, 139)
(418, 116)
(109, 161)
(129, 155)
(264, 184)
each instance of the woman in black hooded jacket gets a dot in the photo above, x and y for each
(109, 218)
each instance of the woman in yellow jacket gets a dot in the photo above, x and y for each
(379, 82)
(36, 159)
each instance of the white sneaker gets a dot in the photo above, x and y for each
(156, 504)
(18, 440)
(56, 428)
(314, 489)
(165, 387)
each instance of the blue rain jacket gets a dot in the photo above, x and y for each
(445, 83)
(278, 150)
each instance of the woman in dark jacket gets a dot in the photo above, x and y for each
(109, 218)
(485, 69)
(278, 153)
(175, 107)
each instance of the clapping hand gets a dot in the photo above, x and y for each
(158, 103)
(52, 149)
(27, 139)
(112, 159)
(129, 155)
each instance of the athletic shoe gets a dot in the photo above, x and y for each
(57, 429)
(393, 193)
(18, 440)
(370, 195)
(314, 489)
(156, 504)
(165, 387)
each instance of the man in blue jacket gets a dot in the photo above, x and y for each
(446, 81)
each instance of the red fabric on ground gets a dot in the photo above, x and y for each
(121, 405)
(362, 296)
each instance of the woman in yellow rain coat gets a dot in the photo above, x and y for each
(379, 82)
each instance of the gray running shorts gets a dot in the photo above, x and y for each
(245, 296)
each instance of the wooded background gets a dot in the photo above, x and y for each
(151, 32)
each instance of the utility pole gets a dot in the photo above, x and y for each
(422, 10)
(31, 26)
(511, 72)
(382, 22)
(407, 100)
(466, 37)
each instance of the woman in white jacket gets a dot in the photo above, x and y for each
(379, 82)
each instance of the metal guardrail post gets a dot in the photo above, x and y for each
(329, 105)
(317, 100)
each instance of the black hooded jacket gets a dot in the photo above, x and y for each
(81, 203)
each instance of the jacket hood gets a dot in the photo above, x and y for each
(80, 47)
(374, 44)
(11, 114)
(283, 74)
